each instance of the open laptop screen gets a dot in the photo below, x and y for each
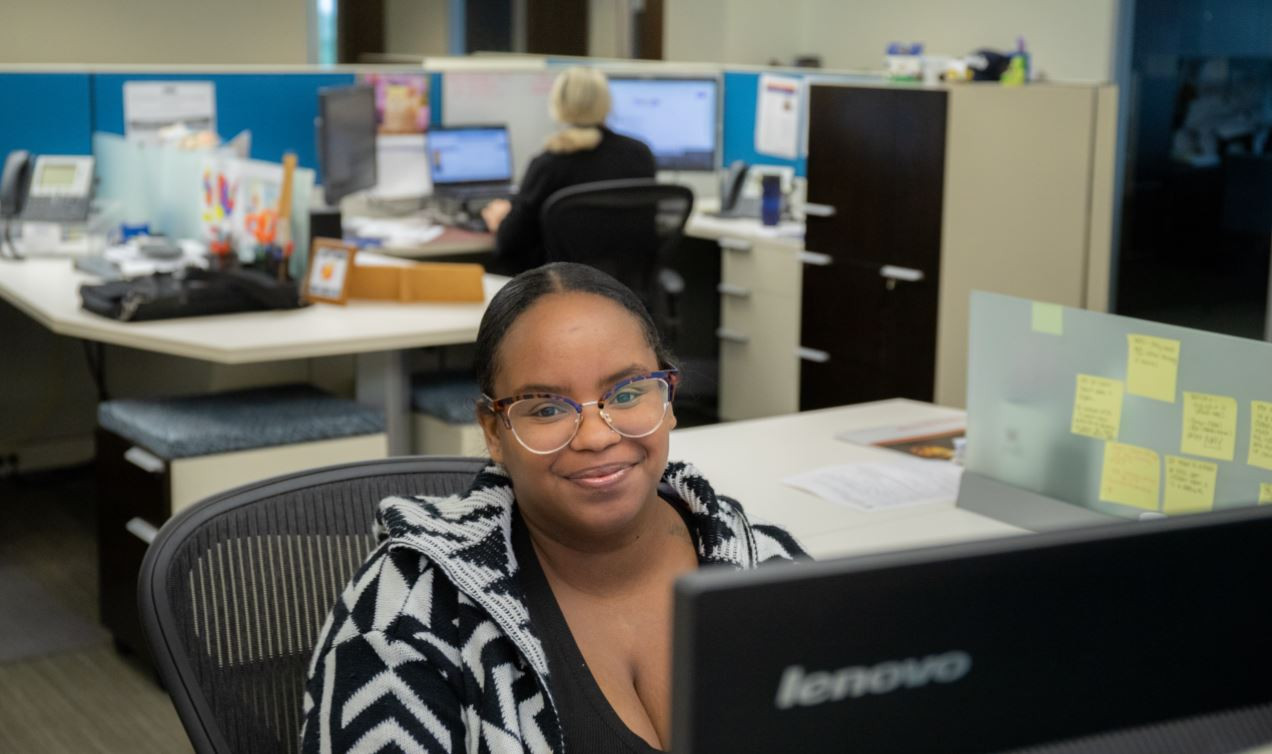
(469, 154)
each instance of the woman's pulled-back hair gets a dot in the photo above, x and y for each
(524, 290)
(580, 101)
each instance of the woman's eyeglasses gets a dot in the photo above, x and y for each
(544, 422)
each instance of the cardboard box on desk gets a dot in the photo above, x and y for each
(422, 281)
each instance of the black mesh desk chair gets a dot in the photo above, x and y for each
(234, 590)
(627, 228)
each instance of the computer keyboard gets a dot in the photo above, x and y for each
(475, 224)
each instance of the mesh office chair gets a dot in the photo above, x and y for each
(234, 590)
(627, 228)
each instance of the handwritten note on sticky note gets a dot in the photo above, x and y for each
(1131, 476)
(1097, 407)
(1210, 426)
(1190, 485)
(1152, 364)
(1048, 318)
(1260, 435)
(1265, 492)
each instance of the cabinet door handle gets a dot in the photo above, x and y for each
(818, 210)
(815, 258)
(905, 274)
(141, 529)
(732, 337)
(144, 460)
(812, 354)
(735, 244)
(729, 289)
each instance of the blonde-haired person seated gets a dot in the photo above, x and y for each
(582, 152)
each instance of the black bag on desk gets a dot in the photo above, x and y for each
(190, 293)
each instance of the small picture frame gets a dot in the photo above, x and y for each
(330, 270)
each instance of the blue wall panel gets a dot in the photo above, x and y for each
(45, 113)
(278, 108)
(740, 97)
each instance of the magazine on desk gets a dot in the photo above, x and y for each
(936, 439)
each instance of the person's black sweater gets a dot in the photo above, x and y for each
(519, 242)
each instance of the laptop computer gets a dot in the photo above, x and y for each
(470, 162)
(1131, 636)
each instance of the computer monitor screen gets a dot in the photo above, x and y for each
(676, 117)
(1135, 629)
(469, 154)
(346, 140)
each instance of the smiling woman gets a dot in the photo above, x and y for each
(533, 612)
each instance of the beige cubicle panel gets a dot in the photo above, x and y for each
(1027, 207)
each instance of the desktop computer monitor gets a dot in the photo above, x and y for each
(346, 140)
(677, 117)
(1152, 632)
(460, 156)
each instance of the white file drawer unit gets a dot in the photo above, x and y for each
(759, 326)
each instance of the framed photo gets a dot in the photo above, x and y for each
(330, 270)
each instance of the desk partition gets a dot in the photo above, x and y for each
(1118, 415)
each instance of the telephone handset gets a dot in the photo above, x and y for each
(13, 184)
(734, 180)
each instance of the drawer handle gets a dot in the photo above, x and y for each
(815, 258)
(818, 210)
(812, 354)
(141, 529)
(729, 289)
(144, 460)
(732, 337)
(905, 274)
(735, 244)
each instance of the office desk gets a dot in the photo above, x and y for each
(747, 460)
(377, 333)
(453, 242)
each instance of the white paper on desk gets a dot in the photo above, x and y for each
(777, 116)
(882, 485)
(396, 233)
(152, 105)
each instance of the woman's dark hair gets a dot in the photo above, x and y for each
(524, 290)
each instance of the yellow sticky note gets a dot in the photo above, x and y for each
(1048, 318)
(1131, 476)
(1152, 364)
(1260, 435)
(1190, 485)
(1210, 426)
(1265, 492)
(1097, 407)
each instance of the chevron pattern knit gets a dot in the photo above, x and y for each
(430, 647)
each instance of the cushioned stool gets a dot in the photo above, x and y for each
(155, 457)
(443, 418)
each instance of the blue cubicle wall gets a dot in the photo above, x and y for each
(57, 113)
(278, 108)
(741, 94)
(45, 113)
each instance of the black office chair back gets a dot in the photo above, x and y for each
(234, 590)
(627, 228)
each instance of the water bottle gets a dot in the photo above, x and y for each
(771, 199)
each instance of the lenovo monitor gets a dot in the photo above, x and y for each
(1129, 636)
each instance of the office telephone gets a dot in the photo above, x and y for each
(48, 188)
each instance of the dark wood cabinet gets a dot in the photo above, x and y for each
(870, 285)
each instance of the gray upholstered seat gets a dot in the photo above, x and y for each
(450, 397)
(200, 425)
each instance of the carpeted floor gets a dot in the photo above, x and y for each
(63, 686)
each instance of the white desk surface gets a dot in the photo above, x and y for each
(747, 460)
(48, 291)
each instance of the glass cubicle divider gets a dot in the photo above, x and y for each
(1120, 416)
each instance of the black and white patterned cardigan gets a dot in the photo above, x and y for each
(430, 647)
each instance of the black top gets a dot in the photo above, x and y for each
(588, 722)
(518, 243)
